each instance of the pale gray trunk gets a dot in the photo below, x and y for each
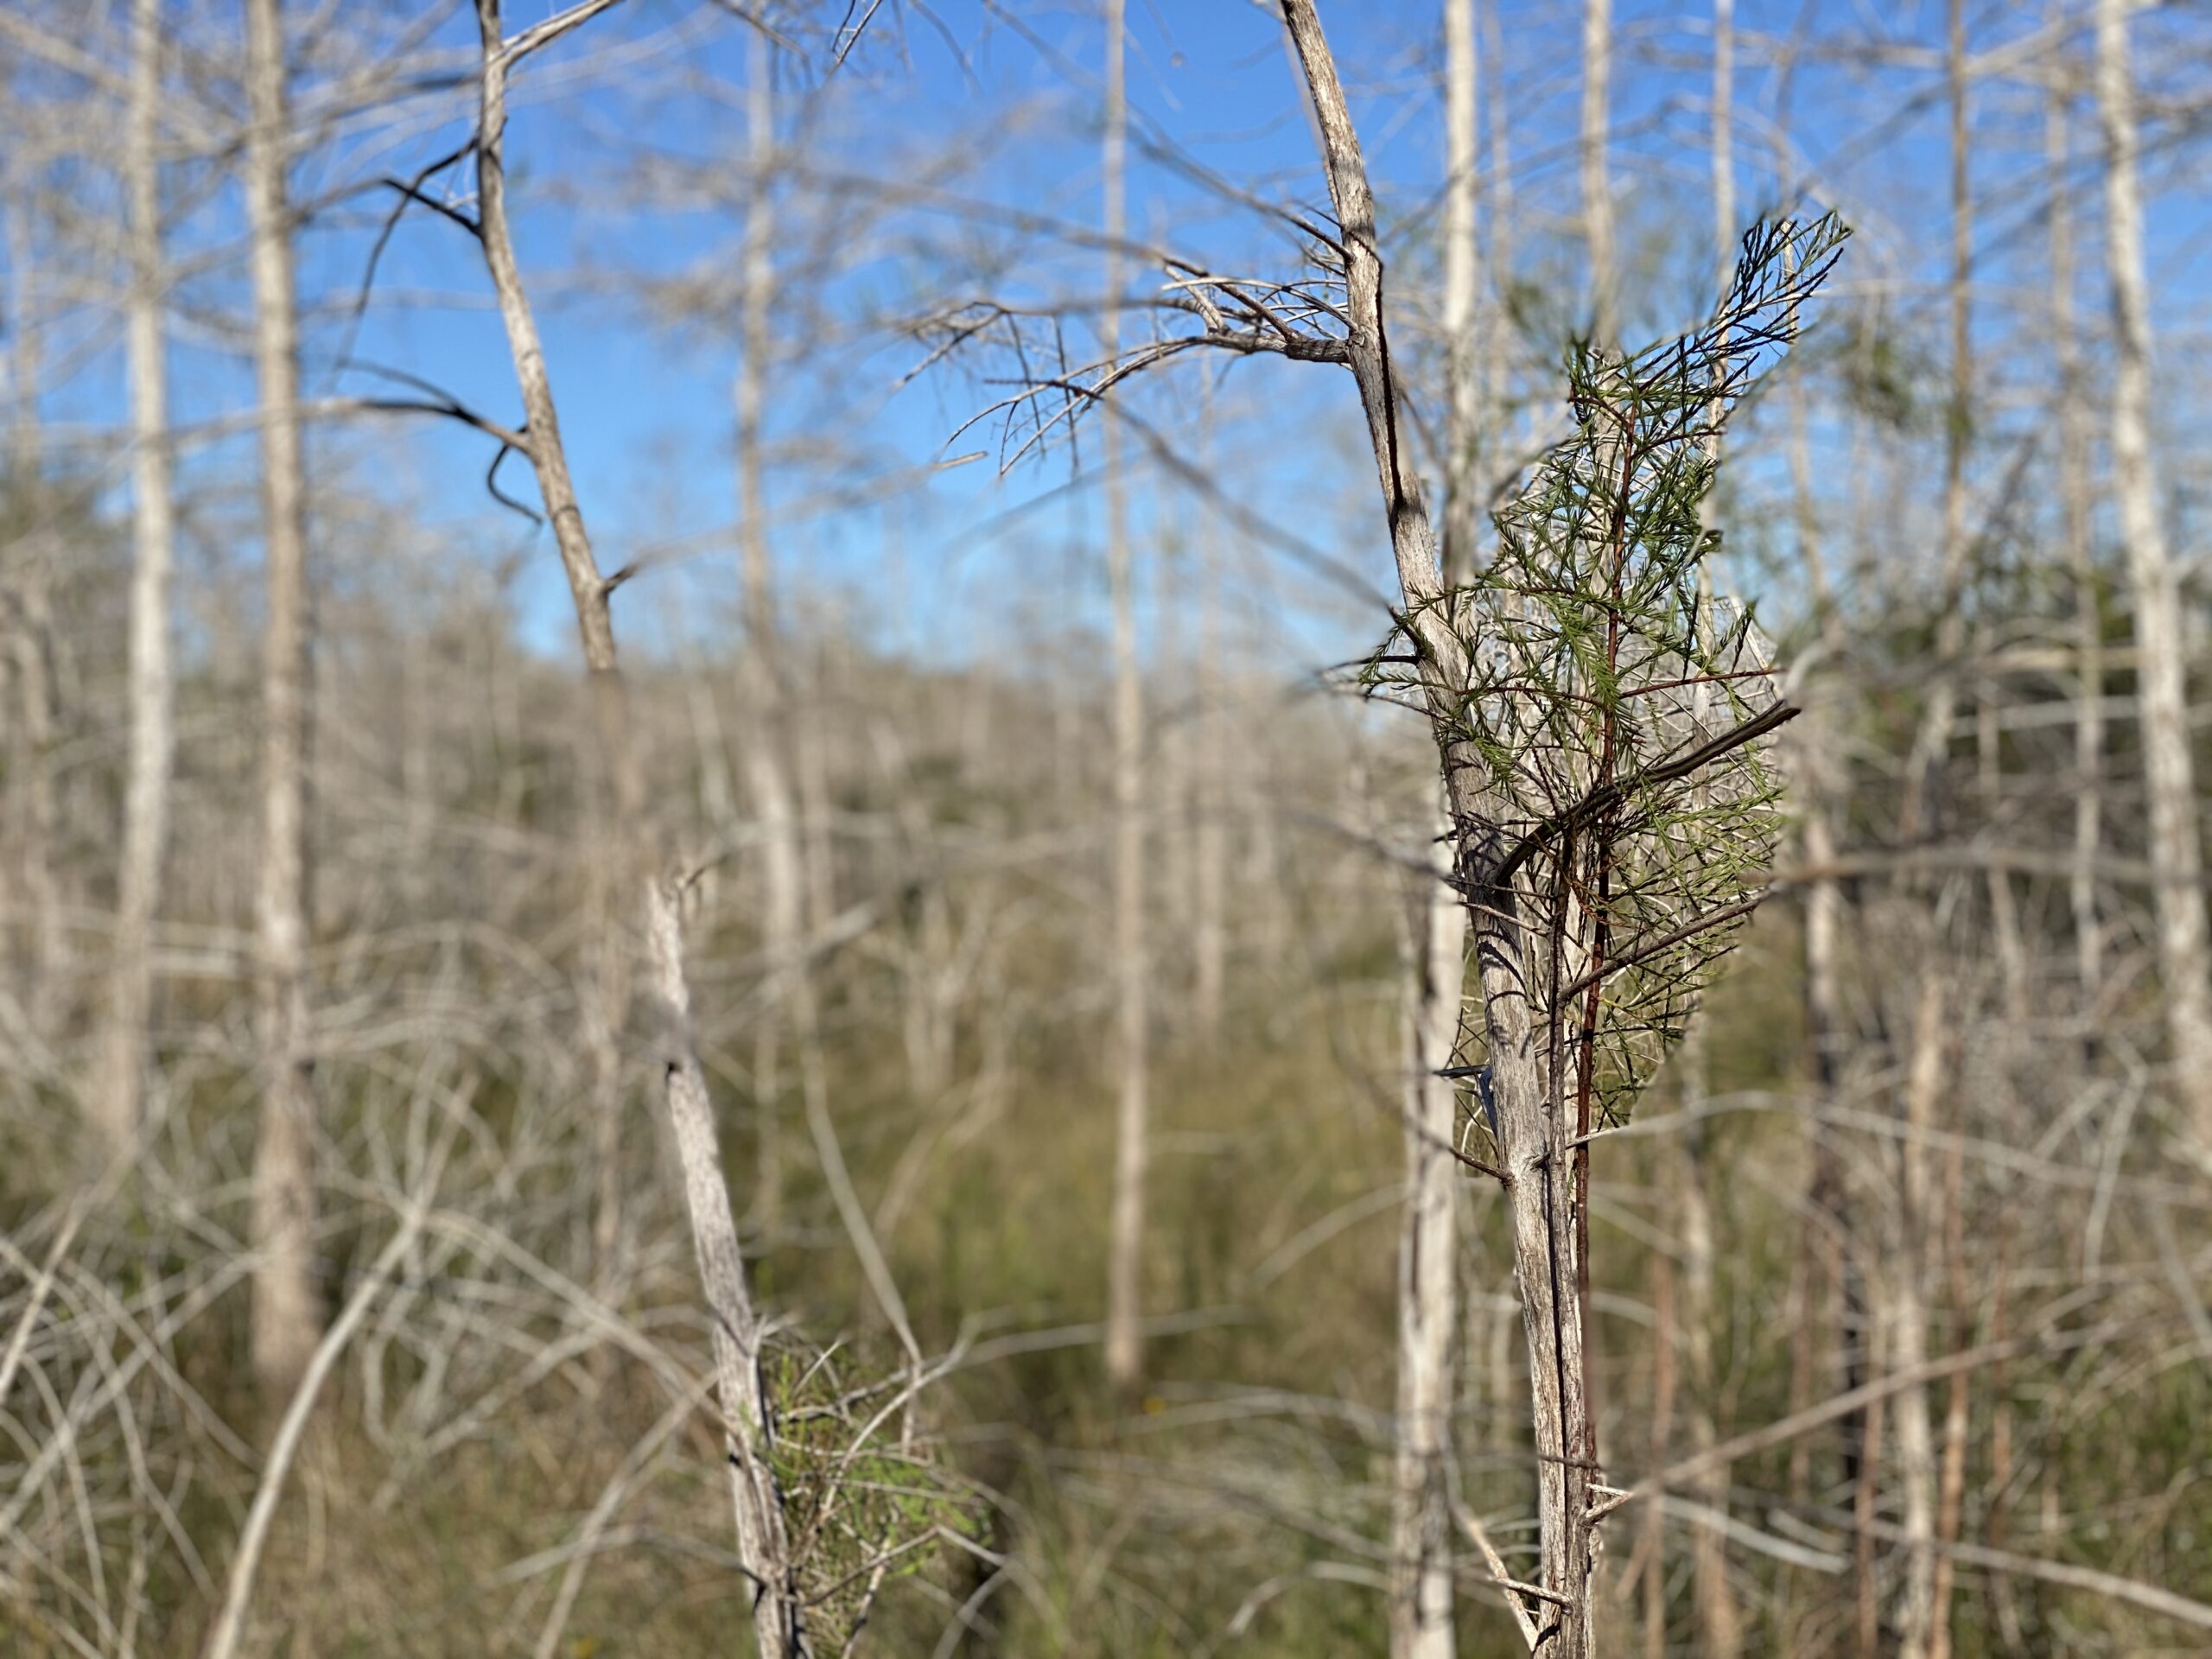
(1209, 929)
(1720, 1621)
(749, 1416)
(1539, 1190)
(1597, 187)
(616, 855)
(1125, 1246)
(767, 773)
(1421, 1554)
(287, 1309)
(1904, 1288)
(1422, 1622)
(1904, 1315)
(120, 1092)
(2161, 675)
(26, 601)
(1989, 774)
(736, 1335)
(1462, 493)
(1498, 365)
(2088, 623)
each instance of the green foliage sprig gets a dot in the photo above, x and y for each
(1623, 717)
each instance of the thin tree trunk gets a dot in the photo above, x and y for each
(119, 1094)
(1541, 1191)
(1497, 364)
(1719, 1622)
(1420, 1554)
(1905, 1315)
(287, 1309)
(1905, 1284)
(1462, 496)
(37, 822)
(1210, 941)
(1597, 187)
(1651, 1541)
(768, 775)
(748, 1416)
(2161, 671)
(1867, 1601)
(615, 855)
(1422, 1622)
(2088, 622)
(778, 1621)
(2003, 915)
(1826, 1235)
(1125, 1246)
(1951, 1487)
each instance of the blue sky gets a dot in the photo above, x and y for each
(1009, 121)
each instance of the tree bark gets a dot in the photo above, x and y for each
(1125, 1246)
(1420, 1555)
(37, 821)
(120, 1092)
(2088, 622)
(1905, 1282)
(1421, 1621)
(1905, 1314)
(1462, 495)
(767, 772)
(747, 1411)
(1597, 187)
(2161, 673)
(287, 1309)
(1540, 1186)
(748, 1415)
(1209, 927)
(1719, 1620)
(617, 856)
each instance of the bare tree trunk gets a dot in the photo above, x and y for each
(1498, 365)
(2161, 672)
(748, 1417)
(616, 856)
(767, 774)
(2088, 623)
(1210, 941)
(1951, 1486)
(119, 1091)
(1541, 1189)
(1462, 503)
(1421, 1623)
(778, 1620)
(2004, 916)
(1904, 1283)
(1125, 1247)
(1651, 1539)
(1905, 1315)
(1866, 1602)
(1597, 187)
(1420, 1555)
(1719, 1621)
(287, 1309)
(37, 822)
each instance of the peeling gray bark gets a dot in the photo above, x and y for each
(1125, 1244)
(2184, 957)
(118, 1095)
(286, 1321)
(1539, 1187)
